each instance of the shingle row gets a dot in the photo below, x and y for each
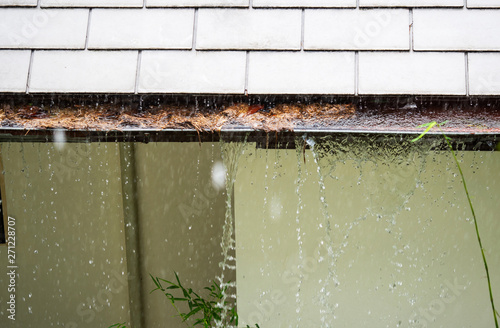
(452, 51)
(259, 29)
(237, 72)
(254, 3)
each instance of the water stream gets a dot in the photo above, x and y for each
(231, 153)
(367, 232)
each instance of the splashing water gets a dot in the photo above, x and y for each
(300, 150)
(230, 154)
(327, 313)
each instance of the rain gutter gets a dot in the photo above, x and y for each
(474, 122)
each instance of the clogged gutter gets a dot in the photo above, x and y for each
(259, 117)
(108, 117)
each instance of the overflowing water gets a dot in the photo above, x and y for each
(350, 232)
(230, 154)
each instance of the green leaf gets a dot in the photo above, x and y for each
(429, 127)
(194, 311)
(179, 299)
(118, 325)
(173, 287)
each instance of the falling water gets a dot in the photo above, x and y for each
(327, 313)
(230, 154)
(300, 151)
(404, 166)
(388, 258)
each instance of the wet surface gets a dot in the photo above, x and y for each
(192, 118)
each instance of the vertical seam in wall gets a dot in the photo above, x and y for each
(356, 73)
(250, 4)
(38, 3)
(88, 30)
(466, 56)
(195, 29)
(411, 29)
(144, 4)
(357, 4)
(137, 72)
(302, 29)
(30, 65)
(247, 64)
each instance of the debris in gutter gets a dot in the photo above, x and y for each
(283, 117)
(286, 116)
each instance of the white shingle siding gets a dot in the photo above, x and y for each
(411, 3)
(456, 29)
(197, 3)
(14, 65)
(301, 73)
(83, 71)
(18, 3)
(192, 72)
(361, 30)
(43, 28)
(484, 73)
(430, 73)
(483, 3)
(91, 3)
(345, 47)
(305, 3)
(142, 29)
(249, 29)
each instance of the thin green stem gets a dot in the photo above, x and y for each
(180, 314)
(428, 127)
(476, 226)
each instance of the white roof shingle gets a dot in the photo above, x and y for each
(301, 73)
(20, 3)
(91, 3)
(345, 47)
(83, 71)
(427, 73)
(31, 28)
(14, 66)
(192, 72)
(141, 29)
(361, 29)
(278, 29)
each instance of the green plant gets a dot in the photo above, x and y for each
(428, 127)
(203, 311)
